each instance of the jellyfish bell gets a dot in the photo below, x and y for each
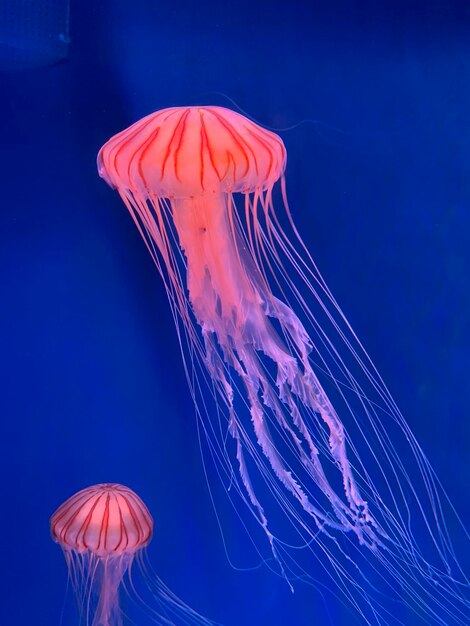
(312, 423)
(108, 520)
(102, 530)
(156, 154)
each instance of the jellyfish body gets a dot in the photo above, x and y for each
(234, 272)
(102, 529)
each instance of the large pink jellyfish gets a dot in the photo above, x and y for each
(102, 529)
(267, 317)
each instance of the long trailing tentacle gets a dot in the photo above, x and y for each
(299, 444)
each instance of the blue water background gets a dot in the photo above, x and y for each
(93, 387)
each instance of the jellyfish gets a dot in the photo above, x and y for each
(301, 415)
(102, 530)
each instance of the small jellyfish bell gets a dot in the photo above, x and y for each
(102, 530)
(305, 431)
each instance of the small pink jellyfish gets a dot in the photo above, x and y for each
(320, 441)
(102, 530)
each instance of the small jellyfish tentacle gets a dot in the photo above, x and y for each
(114, 567)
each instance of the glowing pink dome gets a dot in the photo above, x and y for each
(107, 519)
(190, 151)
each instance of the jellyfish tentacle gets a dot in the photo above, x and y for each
(107, 612)
(235, 432)
(232, 301)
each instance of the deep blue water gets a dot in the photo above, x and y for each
(93, 386)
